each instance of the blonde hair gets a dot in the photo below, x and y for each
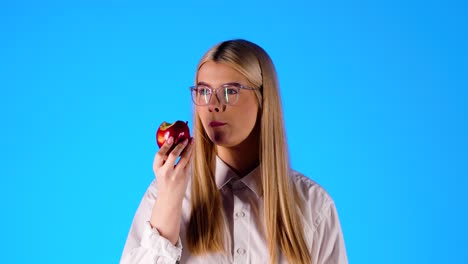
(282, 219)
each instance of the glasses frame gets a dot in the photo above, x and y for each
(215, 91)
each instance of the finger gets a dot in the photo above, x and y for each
(167, 146)
(159, 160)
(161, 155)
(185, 161)
(175, 153)
(186, 155)
(187, 168)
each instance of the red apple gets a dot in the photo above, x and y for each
(179, 130)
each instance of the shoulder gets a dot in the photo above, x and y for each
(314, 199)
(309, 189)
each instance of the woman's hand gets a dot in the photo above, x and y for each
(172, 178)
(172, 182)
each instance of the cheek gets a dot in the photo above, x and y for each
(249, 113)
(202, 114)
(251, 108)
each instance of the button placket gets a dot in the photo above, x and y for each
(241, 228)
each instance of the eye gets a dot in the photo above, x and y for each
(203, 91)
(231, 90)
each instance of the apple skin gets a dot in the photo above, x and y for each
(179, 130)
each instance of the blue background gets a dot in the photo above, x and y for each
(374, 94)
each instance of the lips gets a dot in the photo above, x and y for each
(216, 124)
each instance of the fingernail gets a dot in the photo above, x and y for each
(170, 140)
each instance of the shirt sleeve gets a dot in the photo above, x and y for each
(144, 244)
(329, 243)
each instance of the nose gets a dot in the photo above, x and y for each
(213, 109)
(215, 104)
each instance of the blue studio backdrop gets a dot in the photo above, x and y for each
(374, 95)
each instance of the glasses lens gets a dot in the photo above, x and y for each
(230, 94)
(201, 95)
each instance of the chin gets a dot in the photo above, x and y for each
(220, 139)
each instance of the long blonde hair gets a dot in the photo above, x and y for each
(282, 219)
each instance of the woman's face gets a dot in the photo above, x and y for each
(227, 125)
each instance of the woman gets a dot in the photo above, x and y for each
(232, 196)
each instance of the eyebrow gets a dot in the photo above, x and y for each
(230, 83)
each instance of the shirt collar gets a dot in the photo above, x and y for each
(224, 174)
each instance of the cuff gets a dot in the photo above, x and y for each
(160, 245)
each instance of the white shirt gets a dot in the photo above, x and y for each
(245, 232)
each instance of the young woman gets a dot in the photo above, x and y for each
(232, 197)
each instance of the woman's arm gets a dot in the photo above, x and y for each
(154, 235)
(329, 243)
(144, 243)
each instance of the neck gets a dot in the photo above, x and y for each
(242, 158)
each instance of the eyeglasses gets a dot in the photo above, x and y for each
(227, 94)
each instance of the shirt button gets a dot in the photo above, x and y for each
(240, 251)
(240, 214)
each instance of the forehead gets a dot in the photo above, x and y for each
(216, 74)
